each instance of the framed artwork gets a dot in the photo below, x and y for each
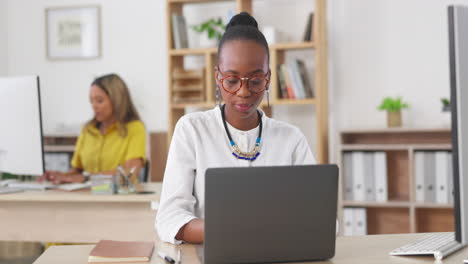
(73, 32)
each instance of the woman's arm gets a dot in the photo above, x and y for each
(176, 210)
(75, 174)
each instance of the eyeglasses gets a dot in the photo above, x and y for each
(232, 83)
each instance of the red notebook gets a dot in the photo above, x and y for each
(121, 251)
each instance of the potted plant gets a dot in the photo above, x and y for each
(445, 104)
(393, 106)
(211, 31)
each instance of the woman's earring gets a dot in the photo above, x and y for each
(268, 97)
(217, 102)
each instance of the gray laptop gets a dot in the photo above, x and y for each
(270, 214)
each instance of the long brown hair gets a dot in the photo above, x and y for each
(123, 108)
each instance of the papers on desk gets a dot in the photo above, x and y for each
(109, 251)
(32, 185)
(48, 185)
(5, 190)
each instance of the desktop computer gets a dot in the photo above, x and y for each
(443, 244)
(21, 146)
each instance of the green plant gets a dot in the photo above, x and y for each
(392, 104)
(445, 104)
(214, 27)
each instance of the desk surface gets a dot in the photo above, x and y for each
(84, 195)
(78, 217)
(360, 249)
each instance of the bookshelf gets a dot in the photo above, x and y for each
(401, 213)
(277, 56)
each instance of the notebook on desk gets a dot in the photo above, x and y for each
(110, 251)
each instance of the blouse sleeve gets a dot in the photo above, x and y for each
(136, 141)
(177, 204)
(302, 154)
(76, 159)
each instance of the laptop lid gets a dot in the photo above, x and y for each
(270, 214)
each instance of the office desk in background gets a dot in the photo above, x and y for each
(359, 249)
(78, 217)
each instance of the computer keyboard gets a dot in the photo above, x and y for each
(440, 245)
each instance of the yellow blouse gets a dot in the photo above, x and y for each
(96, 152)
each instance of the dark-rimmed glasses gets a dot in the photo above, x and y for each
(233, 83)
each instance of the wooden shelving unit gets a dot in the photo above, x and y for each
(277, 56)
(401, 213)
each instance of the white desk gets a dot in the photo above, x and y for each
(360, 250)
(78, 217)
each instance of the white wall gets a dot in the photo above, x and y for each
(133, 45)
(3, 37)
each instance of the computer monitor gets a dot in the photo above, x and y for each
(458, 53)
(21, 147)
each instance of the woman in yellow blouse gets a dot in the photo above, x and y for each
(114, 136)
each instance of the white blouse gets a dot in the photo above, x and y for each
(200, 142)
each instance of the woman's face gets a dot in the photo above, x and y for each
(101, 103)
(242, 59)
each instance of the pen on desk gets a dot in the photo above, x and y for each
(166, 257)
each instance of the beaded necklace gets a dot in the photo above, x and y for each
(252, 155)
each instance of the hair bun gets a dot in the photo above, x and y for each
(242, 19)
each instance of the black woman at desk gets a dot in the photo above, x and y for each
(234, 134)
(114, 136)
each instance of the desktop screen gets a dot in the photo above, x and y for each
(458, 54)
(21, 148)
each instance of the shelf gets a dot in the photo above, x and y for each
(50, 148)
(199, 105)
(307, 101)
(199, 51)
(391, 204)
(377, 147)
(433, 205)
(373, 147)
(214, 50)
(197, 1)
(432, 147)
(293, 46)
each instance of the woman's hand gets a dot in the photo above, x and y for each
(58, 177)
(193, 232)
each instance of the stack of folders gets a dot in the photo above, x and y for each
(433, 176)
(109, 251)
(355, 222)
(365, 176)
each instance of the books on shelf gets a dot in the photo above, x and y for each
(293, 81)
(188, 86)
(309, 29)
(365, 176)
(433, 176)
(110, 251)
(179, 31)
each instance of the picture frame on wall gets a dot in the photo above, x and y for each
(73, 32)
